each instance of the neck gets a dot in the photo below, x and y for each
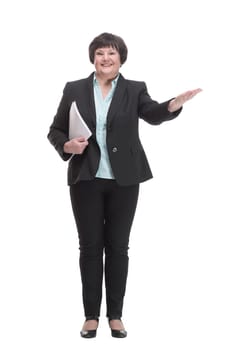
(105, 80)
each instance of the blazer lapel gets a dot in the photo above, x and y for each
(117, 99)
(114, 105)
(91, 100)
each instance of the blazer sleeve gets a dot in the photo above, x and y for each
(152, 111)
(59, 130)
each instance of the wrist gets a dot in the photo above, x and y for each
(171, 106)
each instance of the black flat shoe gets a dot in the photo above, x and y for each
(117, 333)
(89, 333)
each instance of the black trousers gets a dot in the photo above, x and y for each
(104, 213)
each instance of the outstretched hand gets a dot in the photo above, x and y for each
(178, 102)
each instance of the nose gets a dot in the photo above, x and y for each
(105, 56)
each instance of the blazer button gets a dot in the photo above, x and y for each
(114, 149)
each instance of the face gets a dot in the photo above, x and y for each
(107, 62)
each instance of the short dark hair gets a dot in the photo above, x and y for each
(108, 40)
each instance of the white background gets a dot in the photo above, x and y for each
(179, 292)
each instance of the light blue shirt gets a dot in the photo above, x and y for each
(102, 105)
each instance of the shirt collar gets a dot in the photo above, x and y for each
(114, 81)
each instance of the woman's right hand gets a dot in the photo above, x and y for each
(76, 146)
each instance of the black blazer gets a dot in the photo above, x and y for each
(130, 102)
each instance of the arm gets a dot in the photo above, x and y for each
(152, 111)
(59, 130)
(155, 113)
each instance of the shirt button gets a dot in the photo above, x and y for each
(114, 149)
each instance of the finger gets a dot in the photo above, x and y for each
(190, 94)
(81, 139)
(195, 92)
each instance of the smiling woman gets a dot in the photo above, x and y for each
(105, 171)
(107, 64)
(107, 53)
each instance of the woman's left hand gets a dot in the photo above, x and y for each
(178, 102)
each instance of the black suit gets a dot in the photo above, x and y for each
(104, 209)
(127, 157)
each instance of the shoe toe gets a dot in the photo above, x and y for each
(119, 333)
(88, 334)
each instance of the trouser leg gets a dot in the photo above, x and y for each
(88, 208)
(120, 206)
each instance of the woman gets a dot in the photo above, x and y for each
(105, 171)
